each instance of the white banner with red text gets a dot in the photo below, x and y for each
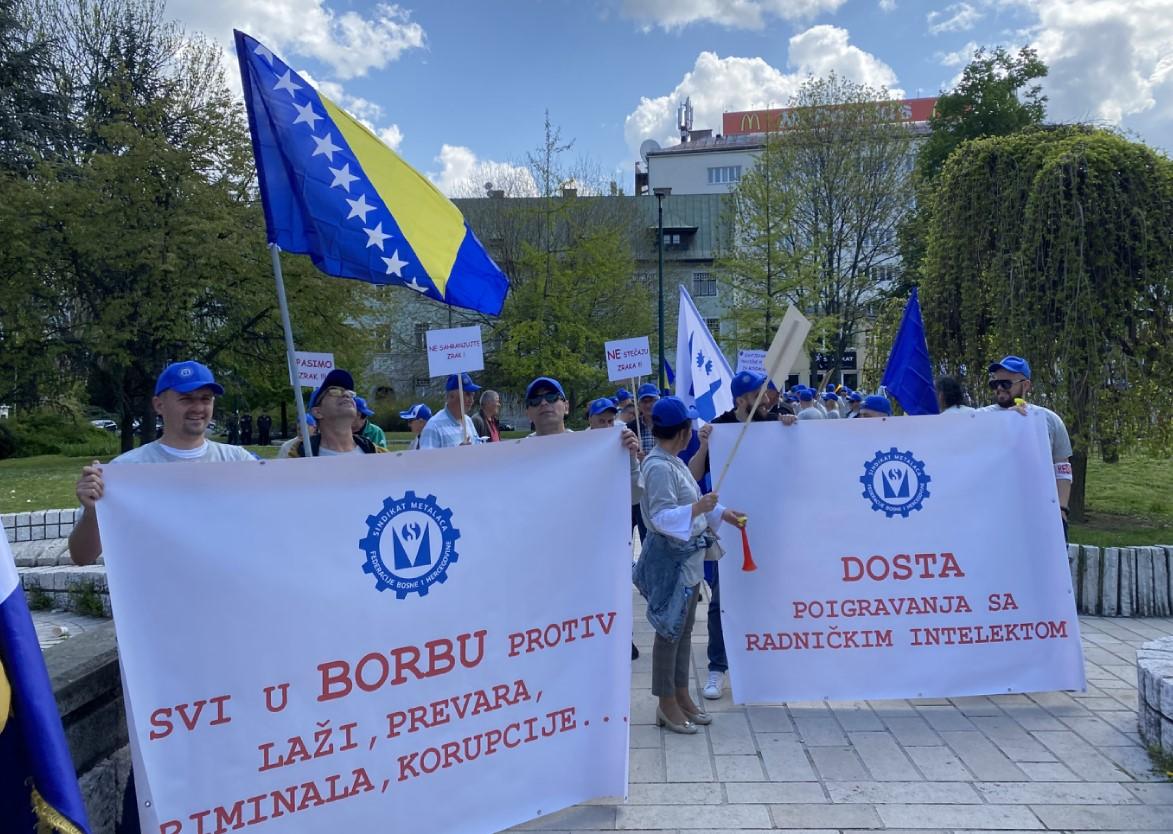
(911, 557)
(374, 643)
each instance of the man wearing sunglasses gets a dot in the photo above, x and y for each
(451, 425)
(1010, 383)
(334, 409)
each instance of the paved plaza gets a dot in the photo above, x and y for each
(1051, 761)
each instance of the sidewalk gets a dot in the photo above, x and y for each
(1052, 761)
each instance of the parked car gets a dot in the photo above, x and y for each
(108, 425)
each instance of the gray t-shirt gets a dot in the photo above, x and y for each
(154, 452)
(811, 414)
(1056, 431)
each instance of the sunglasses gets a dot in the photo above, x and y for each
(1004, 384)
(538, 399)
(338, 391)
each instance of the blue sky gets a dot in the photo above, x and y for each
(459, 88)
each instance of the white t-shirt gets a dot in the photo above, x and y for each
(211, 452)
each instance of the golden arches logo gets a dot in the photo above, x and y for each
(751, 122)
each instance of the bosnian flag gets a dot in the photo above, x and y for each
(38, 785)
(703, 377)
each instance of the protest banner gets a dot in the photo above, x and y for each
(403, 657)
(628, 359)
(312, 368)
(751, 360)
(455, 350)
(913, 557)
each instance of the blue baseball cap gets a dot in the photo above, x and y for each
(671, 411)
(465, 379)
(773, 386)
(363, 409)
(746, 382)
(602, 404)
(1014, 364)
(806, 395)
(419, 411)
(309, 419)
(830, 396)
(855, 397)
(621, 395)
(338, 377)
(877, 403)
(185, 377)
(544, 381)
(648, 389)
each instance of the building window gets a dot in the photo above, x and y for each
(421, 382)
(703, 284)
(421, 335)
(671, 239)
(645, 280)
(725, 174)
(714, 326)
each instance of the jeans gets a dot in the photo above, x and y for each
(717, 660)
(670, 658)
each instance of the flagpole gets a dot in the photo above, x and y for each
(290, 359)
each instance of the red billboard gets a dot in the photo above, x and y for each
(760, 121)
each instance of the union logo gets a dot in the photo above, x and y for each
(418, 534)
(895, 482)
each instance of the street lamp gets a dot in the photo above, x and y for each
(660, 193)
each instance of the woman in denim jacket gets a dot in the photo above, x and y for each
(680, 522)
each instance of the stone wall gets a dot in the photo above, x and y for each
(39, 525)
(88, 686)
(1154, 689)
(1122, 581)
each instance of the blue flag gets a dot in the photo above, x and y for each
(332, 190)
(909, 374)
(38, 785)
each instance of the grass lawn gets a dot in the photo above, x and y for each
(1130, 503)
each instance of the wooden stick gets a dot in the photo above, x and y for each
(637, 432)
(460, 388)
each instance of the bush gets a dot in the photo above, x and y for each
(52, 433)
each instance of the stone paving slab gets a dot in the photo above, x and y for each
(1048, 761)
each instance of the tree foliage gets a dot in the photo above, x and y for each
(1057, 244)
(816, 223)
(143, 244)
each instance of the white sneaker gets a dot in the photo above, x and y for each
(714, 686)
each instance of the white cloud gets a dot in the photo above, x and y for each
(959, 17)
(367, 112)
(887, 5)
(958, 57)
(1109, 60)
(734, 14)
(717, 84)
(351, 44)
(462, 174)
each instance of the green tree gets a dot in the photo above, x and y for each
(32, 112)
(1057, 244)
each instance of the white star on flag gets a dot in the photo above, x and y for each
(342, 177)
(286, 82)
(359, 208)
(376, 236)
(264, 52)
(394, 265)
(306, 114)
(325, 146)
(412, 284)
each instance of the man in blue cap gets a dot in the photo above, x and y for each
(831, 404)
(601, 413)
(645, 398)
(185, 397)
(364, 426)
(451, 425)
(1011, 383)
(417, 417)
(334, 409)
(807, 410)
(875, 406)
(854, 403)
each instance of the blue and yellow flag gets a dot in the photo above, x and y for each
(38, 785)
(332, 190)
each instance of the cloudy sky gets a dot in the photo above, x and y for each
(459, 87)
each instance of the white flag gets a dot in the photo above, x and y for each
(703, 376)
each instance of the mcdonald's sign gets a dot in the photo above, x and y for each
(757, 121)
